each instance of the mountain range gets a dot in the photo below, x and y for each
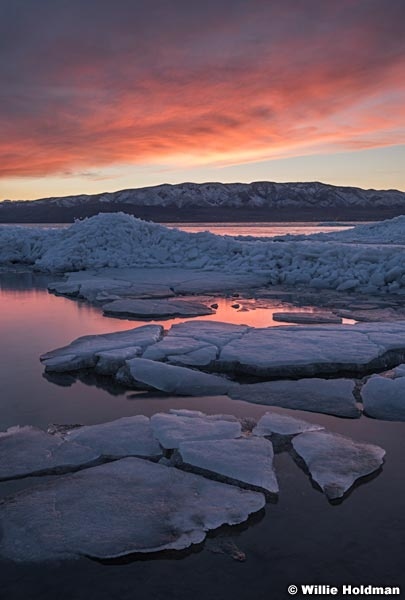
(187, 202)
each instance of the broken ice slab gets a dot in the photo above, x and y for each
(93, 284)
(124, 507)
(212, 332)
(82, 352)
(154, 309)
(180, 426)
(172, 345)
(245, 461)
(310, 350)
(175, 380)
(335, 462)
(128, 436)
(306, 317)
(384, 398)
(330, 396)
(110, 361)
(273, 423)
(30, 451)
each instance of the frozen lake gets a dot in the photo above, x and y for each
(296, 540)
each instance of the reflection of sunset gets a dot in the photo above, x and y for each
(61, 320)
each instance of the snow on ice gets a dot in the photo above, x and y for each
(369, 258)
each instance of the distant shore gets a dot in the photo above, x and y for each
(42, 214)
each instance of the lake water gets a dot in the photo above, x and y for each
(234, 229)
(301, 539)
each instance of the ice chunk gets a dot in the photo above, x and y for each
(212, 332)
(247, 461)
(330, 396)
(153, 309)
(335, 462)
(30, 451)
(172, 429)
(120, 508)
(307, 350)
(177, 380)
(129, 436)
(172, 345)
(384, 398)
(274, 423)
(82, 352)
(109, 361)
(306, 317)
(203, 357)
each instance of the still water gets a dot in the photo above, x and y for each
(235, 229)
(301, 539)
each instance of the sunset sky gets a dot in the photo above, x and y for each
(98, 95)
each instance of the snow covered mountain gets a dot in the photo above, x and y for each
(217, 201)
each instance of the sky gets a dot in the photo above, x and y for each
(100, 95)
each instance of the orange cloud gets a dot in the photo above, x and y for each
(198, 85)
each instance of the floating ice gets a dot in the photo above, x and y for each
(172, 345)
(120, 508)
(336, 462)
(29, 451)
(306, 317)
(384, 398)
(110, 361)
(82, 353)
(273, 423)
(330, 396)
(211, 332)
(129, 436)
(247, 461)
(176, 380)
(152, 309)
(173, 428)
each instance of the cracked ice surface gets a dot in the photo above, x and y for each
(153, 309)
(309, 350)
(335, 462)
(82, 352)
(274, 423)
(180, 426)
(247, 461)
(128, 436)
(120, 508)
(27, 450)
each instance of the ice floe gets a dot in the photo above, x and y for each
(306, 317)
(128, 436)
(153, 309)
(30, 451)
(330, 396)
(310, 350)
(128, 506)
(384, 398)
(82, 352)
(247, 461)
(335, 462)
(173, 379)
(171, 429)
(273, 423)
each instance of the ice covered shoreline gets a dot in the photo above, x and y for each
(368, 258)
